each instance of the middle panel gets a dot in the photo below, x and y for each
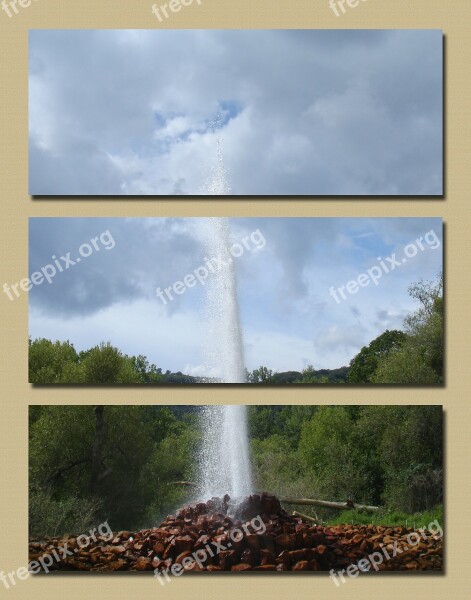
(252, 300)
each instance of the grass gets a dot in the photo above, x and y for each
(392, 518)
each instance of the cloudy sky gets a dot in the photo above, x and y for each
(288, 316)
(326, 112)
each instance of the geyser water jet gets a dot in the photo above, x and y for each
(217, 183)
(224, 462)
(224, 353)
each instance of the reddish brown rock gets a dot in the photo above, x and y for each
(183, 555)
(143, 564)
(241, 567)
(183, 543)
(280, 542)
(302, 565)
(285, 542)
(227, 559)
(297, 555)
(267, 557)
(248, 557)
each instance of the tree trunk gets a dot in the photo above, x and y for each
(186, 483)
(306, 501)
(97, 447)
(325, 504)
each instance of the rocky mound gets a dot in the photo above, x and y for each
(253, 535)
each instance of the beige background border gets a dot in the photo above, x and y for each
(453, 16)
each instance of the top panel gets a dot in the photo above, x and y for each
(239, 113)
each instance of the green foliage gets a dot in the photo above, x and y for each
(414, 356)
(310, 375)
(390, 518)
(172, 460)
(142, 448)
(48, 360)
(104, 364)
(69, 515)
(56, 362)
(408, 367)
(412, 453)
(365, 363)
(119, 463)
(327, 445)
(292, 418)
(260, 375)
(420, 359)
(263, 421)
(381, 455)
(147, 372)
(276, 466)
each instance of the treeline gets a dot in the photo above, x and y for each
(59, 362)
(89, 464)
(264, 375)
(412, 356)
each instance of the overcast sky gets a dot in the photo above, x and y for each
(322, 112)
(288, 316)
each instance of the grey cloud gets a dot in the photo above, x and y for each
(387, 319)
(336, 338)
(355, 311)
(319, 112)
(292, 274)
(146, 255)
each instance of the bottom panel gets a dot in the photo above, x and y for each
(168, 490)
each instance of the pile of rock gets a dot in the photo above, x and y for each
(253, 535)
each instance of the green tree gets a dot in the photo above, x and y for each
(408, 444)
(146, 371)
(420, 359)
(263, 421)
(337, 464)
(261, 375)
(292, 419)
(105, 364)
(364, 364)
(276, 466)
(309, 375)
(58, 362)
(77, 454)
(172, 459)
(49, 360)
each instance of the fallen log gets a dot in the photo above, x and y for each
(295, 513)
(326, 504)
(348, 505)
(186, 483)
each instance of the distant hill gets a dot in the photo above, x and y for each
(287, 377)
